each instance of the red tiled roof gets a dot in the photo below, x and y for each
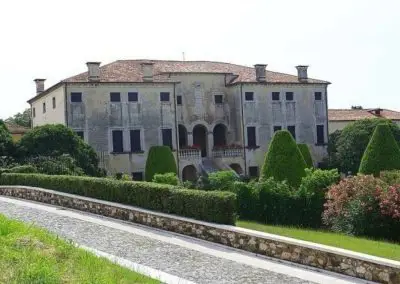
(16, 129)
(131, 71)
(357, 114)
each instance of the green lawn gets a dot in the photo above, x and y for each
(376, 248)
(32, 255)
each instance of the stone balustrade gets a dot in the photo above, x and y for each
(190, 154)
(226, 153)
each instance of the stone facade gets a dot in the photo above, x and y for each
(306, 253)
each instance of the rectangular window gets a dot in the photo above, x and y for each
(318, 96)
(135, 141)
(275, 96)
(44, 107)
(320, 134)
(117, 137)
(115, 97)
(251, 136)
(179, 100)
(54, 102)
(80, 134)
(76, 97)
(253, 172)
(292, 130)
(133, 97)
(276, 128)
(164, 96)
(34, 112)
(137, 176)
(218, 99)
(249, 96)
(289, 96)
(167, 137)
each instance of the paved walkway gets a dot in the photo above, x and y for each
(171, 257)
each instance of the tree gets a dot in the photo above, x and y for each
(353, 140)
(305, 151)
(6, 142)
(332, 159)
(382, 153)
(284, 160)
(21, 118)
(160, 160)
(54, 140)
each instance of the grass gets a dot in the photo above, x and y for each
(32, 255)
(376, 248)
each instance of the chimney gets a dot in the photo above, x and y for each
(147, 69)
(39, 85)
(302, 72)
(94, 71)
(260, 72)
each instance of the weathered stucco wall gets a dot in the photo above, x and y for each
(52, 115)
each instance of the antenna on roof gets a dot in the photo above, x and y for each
(183, 56)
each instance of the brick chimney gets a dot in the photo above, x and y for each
(147, 70)
(260, 72)
(94, 71)
(39, 85)
(302, 72)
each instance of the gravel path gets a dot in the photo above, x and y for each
(194, 260)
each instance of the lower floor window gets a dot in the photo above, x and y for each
(138, 176)
(253, 171)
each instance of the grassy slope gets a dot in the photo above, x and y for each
(32, 255)
(376, 248)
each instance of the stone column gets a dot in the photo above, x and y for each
(190, 138)
(210, 144)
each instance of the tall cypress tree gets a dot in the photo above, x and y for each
(160, 160)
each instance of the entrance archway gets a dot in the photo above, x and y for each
(189, 173)
(182, 136)
(219, 134)
(237, 168)
(200, 138)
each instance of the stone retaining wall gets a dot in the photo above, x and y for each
(306, 253)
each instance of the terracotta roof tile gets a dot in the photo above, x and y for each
(16, 129)
(357, 114)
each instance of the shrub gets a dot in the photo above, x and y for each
(61, 165)
(160, 160)
(6, 142)
(24, 169)
(284, 160)
(222, 180)
(218, 207)
(305, 151)
(332, 160)
(389, 201)
(317, 181)
(390, 177)
(382, 153)
(168, 178)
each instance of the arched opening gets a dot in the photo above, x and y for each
(189, 173)
(182, 136)
(237, 168)
(219, 134)
(200, 138)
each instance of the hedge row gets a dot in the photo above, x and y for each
(218, 207)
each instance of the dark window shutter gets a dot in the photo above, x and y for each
(251, 136)
(289, 96)
(167, 137)
(318, 96)
(76, 97)
(292, 130)
(133, 97)
(249, 96)
(117, 137)
(115, 97)
(253, 171)
(135, 141)
(164, 96)
(320, 134)
(275, 96)
(277, 127)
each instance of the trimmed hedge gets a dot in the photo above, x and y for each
(305, 151)
(160, 160)
(215, 206)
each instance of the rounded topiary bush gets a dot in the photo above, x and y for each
(305, 151)
(284, 160)
(382, 152)
(160, 160)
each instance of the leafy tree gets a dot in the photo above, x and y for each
(305, 151)
(6, 142)
(382, 153)
(21, 118)
(160, 160)
(284, 160)
(332, 159)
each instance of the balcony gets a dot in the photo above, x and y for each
(190, 154)
(227, 152)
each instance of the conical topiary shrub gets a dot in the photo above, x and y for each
(305, 151)
(160, 160)
(382, 152)
(284, 160)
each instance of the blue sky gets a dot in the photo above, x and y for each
(354, 44)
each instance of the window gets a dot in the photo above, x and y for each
(179, 100)
(138, 176)
(76, 97)
(117, 137)
(249, 96)
(318, 96)
(135, 141)
(80, 134)
(292, 130)
(251, 136)
(34, 112)
(276, 128)
(289, 96)
(320, 134)
(164, 96)
(115, 97)
(218, 99)
(54, 102)
(133, 97)
(44, 107)
(275, 96)
(253, 171)
(167, 137)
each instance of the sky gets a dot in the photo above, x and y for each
(354, 44)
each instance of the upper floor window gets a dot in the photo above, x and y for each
(249, 96)
(44, 107)
(34, 112)
(289, 96)
(164, 96)
(218, 99)
(136, 144)
(320, 134)
(277, 127)
(54, 102)
(179, 100)
(115, 97)
(133, 97)
(80, 134)
(318, 96)
(117, 139)
(275, 96)
(167, 137)
(292, 130)
(76, 97)
(251, 136)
